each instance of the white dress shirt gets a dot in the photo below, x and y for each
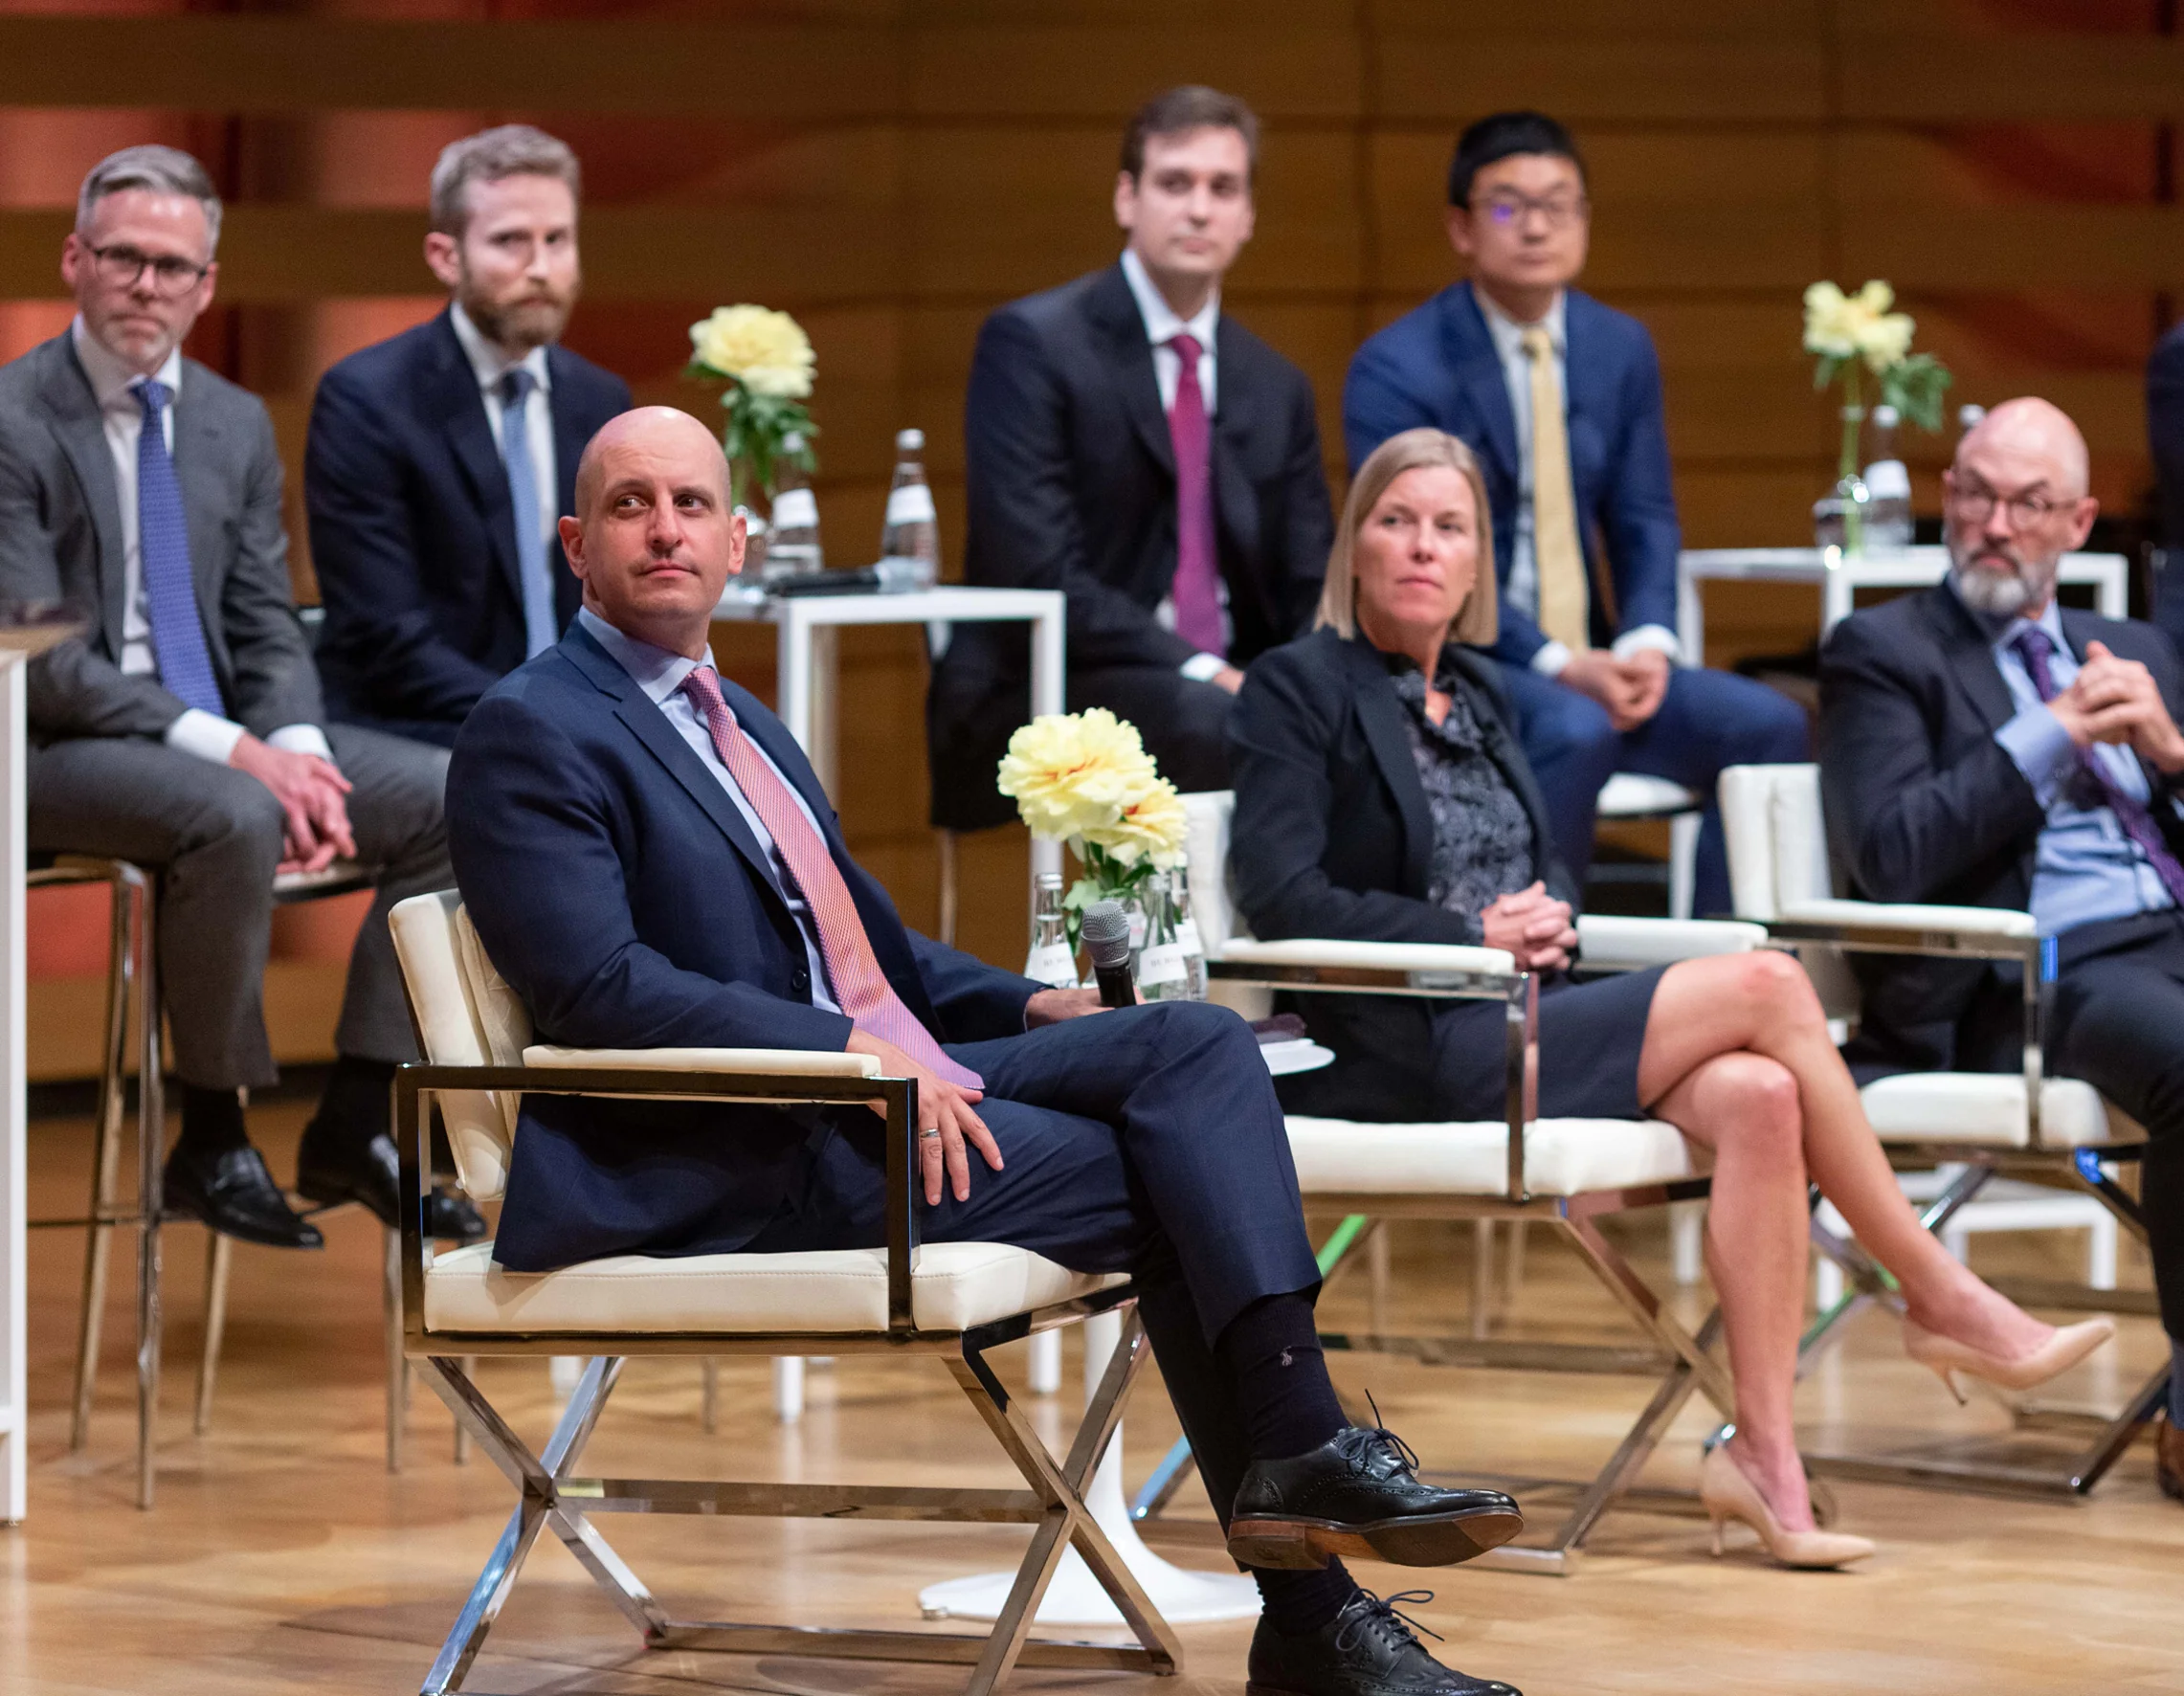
(1162, 326)
(206, 735)
(490, 365)
(659, 674)
(1522, 589)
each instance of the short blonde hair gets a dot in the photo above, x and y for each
(1478, 621)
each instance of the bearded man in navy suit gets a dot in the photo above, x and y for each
(650, 861)
(1560, 399)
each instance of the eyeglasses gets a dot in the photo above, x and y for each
(1558, 211)
(1975, 502)
(172, 277)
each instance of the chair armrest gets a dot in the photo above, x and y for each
(776, 1061)
(1885, 927)
(1611, 942)
(1371, 956)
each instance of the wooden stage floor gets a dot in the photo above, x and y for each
(282, 1556)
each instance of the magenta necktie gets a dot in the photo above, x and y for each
(1196, 595)
(860, 987)
(2034, 646)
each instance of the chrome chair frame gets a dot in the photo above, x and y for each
(2076, 1169)
(553, 1496)
(1681, 1359)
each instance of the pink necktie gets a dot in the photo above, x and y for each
(1197, 595)
(860, 987)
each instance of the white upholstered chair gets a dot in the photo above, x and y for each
(1632, 796)
(2057, 1132)
(955, 1302)
(1565, 1174)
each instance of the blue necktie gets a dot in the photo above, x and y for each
(532, 567)
(163, 540)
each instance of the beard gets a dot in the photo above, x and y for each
(531, 320)
(2003, 584)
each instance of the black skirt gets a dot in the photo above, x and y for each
(1590, 1036)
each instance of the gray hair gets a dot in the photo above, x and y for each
(511, 151)
(160, 170)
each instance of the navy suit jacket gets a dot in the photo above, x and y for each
(411, 532)
(1437, 365)
(619, 890)
(2165, 433)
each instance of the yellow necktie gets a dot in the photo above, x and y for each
(1556, 557)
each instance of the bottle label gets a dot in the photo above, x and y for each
(793, 507)
(1052, 965)
(1162, 964)
(910, 505)
(1186, 938)
(1137, 928)
(1889, 479)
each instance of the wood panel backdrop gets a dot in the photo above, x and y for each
(889, 171)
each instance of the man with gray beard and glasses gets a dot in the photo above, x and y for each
(1981, 746)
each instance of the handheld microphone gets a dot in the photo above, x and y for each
(1107, 933)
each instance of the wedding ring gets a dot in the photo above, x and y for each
(924, 1134)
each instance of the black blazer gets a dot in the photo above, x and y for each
(2165, 435)
(1071, 482)
(1333, 836)
(60, 538)
(412, 536)
(618, 888)
(1924, 804)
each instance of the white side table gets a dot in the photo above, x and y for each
(24, 631)
(804, 627)
(1839, 576)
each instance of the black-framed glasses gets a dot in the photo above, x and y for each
(1976, 502)
(172, 276)
(1506, 207)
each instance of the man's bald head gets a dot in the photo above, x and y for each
(653, 539)
(2016, 503)
(645, 429)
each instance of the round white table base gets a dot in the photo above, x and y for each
(1183, 1598)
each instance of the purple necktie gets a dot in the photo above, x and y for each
(2034, 646)
(1197, 595)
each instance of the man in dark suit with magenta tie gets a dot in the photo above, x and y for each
(650, 861)
(1559, 396)
(1128, 443)
(439, 462)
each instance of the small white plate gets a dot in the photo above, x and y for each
(1300, 1054)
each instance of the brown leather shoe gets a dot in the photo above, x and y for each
(2169, 1458)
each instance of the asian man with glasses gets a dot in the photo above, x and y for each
(1559, 396)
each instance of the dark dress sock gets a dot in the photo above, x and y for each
(1272, 1353)
(1301, 1603)
(212, 1122)
(354, 1107)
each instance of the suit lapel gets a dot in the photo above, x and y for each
(1471, 350)
(1114, 309)
(196, 436)
(1381, 715)
(82, 432)
(1236, 511)
(455, 401)
(569, 440)
(1970, 657)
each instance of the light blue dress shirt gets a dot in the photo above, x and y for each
(2086, 868)
(659, 674)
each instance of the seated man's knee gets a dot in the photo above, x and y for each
(1768, 729)
(235, 816)
(1571, 726)
(1186, 1026)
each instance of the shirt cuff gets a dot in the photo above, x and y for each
(302, 739)
(1658, 637)
(2041, 749)
(1551, 658)
(206, 735)
(1203, 668)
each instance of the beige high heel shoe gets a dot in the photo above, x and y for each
(1727, 1493)
(1946, 1357)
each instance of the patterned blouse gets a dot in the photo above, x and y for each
(1482, 836)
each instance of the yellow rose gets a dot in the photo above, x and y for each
(1830, 326)
(766, 352)
(1071, 773)
(1151, 825)
(1885, 340)
(1857, 326)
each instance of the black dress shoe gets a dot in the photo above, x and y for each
(1367, 1649)
(235, 1195)
(331, 1170)
(1355, 1495)
(452, 1219)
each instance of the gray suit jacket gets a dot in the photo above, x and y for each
(60, 538)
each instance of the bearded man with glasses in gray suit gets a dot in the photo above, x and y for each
(185, 731)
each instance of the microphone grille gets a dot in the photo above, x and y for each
(1106, 931)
